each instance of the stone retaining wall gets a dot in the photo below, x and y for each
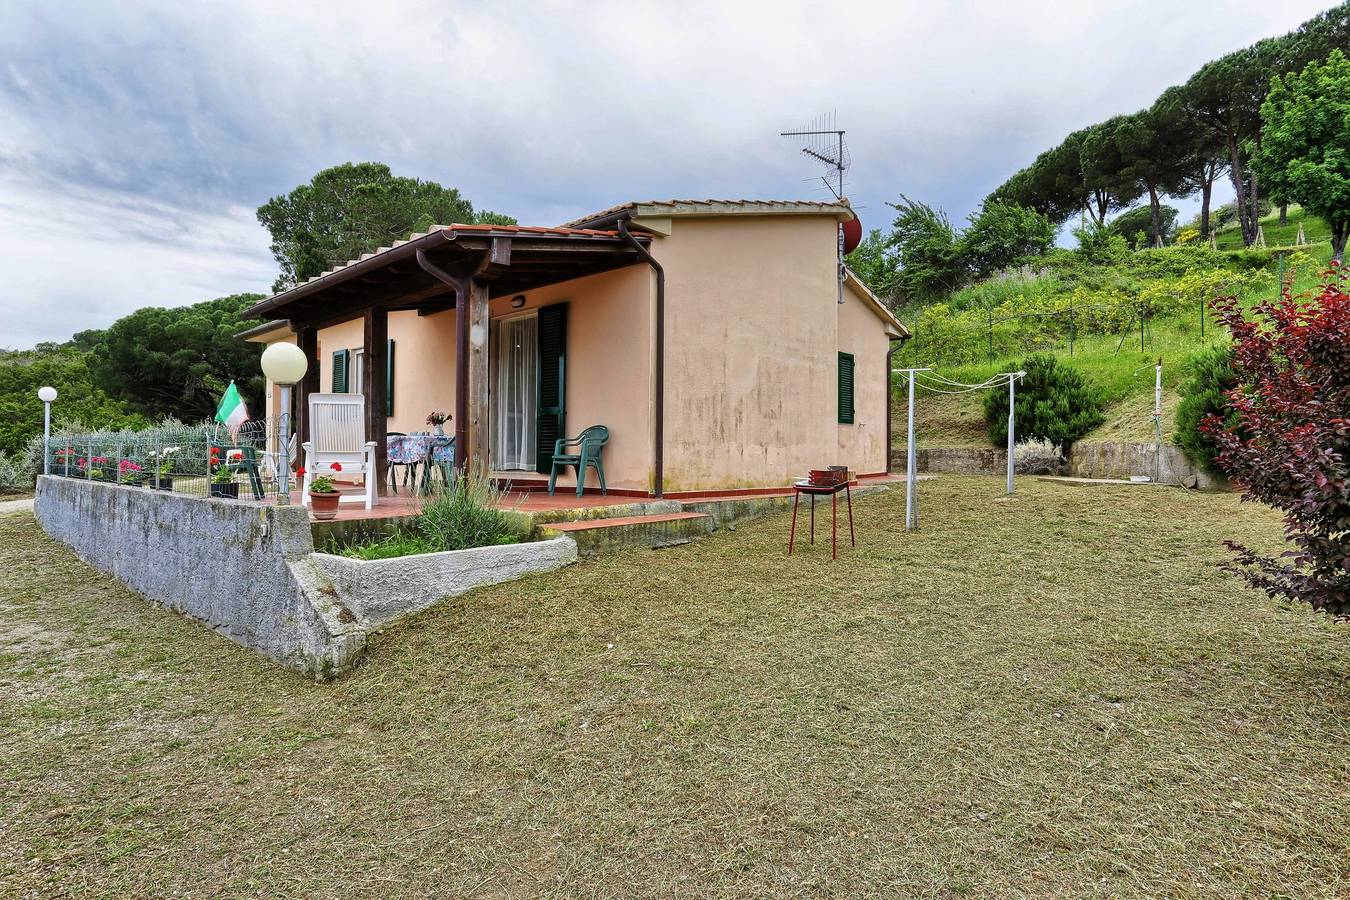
(1086, 460)
(245, 569)
(382, 590)
(249, 570)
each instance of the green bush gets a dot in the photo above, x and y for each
(1055, 403)
(1209, 376)
(13, 476)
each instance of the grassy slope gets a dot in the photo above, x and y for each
(1277, 235)
(1126, 375)
(1055, 694)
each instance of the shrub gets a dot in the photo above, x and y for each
(13, 477)
(1204, 393)
(1037, 457)
(1055, 403)
(1287, 442)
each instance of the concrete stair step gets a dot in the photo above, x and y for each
(598, 536)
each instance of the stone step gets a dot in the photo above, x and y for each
(597, 536)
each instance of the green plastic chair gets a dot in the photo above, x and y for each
(590, 447)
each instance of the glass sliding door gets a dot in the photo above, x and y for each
(515, 384)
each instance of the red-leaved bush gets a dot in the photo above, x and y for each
(1288, 442)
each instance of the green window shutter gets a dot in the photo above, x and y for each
(341, 365)
(846, 388)
(552, 391)
(389, 379)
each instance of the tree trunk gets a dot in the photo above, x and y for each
(1240, 192)
(1205, 192)
(1253, 203)
(1102, 201)
(1284, 213)
(1339, 231)
(1156, 212)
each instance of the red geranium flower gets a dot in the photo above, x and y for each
(336, 467)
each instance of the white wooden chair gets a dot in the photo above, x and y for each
(337, 434)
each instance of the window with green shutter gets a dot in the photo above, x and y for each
(341, 366)
(551, 423)
(846, 388)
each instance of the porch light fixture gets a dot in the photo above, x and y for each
(284, 364)
(518, 301)
(46, 394)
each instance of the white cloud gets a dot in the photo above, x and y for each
(177, 120)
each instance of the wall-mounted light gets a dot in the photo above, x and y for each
(518, 301)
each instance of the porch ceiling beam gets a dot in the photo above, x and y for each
(500, 254)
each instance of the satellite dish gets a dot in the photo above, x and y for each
(853, 234)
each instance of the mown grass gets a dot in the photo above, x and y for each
(1054, 694)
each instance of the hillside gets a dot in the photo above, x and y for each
(1087, 314)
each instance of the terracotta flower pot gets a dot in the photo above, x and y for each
(324, 506)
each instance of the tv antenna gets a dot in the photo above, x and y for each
(825, 143)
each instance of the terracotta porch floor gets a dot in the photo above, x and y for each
(403, 504)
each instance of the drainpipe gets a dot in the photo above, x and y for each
(660, 375)
(461, 288)
(896, 344)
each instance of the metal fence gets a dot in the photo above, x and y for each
(202, 461)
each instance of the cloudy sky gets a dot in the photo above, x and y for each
(136, 140)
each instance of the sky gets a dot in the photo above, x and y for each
(138, 139)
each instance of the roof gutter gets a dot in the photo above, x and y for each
(659, 389)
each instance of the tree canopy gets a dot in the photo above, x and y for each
(178, 361)
(1305, 142)
(64, 367)
(354, 208)
(1194, 133)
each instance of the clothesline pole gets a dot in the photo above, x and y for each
(911, 465)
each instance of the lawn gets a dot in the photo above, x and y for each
(1055, 694)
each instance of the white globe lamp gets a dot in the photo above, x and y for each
(46, 394)
(284, 364)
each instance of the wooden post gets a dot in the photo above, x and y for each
(307, 339)
(373, 384)
(478, 378)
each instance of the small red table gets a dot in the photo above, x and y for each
(815, 490)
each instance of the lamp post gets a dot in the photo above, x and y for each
(46, 394)
(284, 364)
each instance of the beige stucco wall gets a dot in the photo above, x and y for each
(862, 445)
(753, 331)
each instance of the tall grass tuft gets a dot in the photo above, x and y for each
(459, 517)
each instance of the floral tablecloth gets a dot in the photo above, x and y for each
(405, 449)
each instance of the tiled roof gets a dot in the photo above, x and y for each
(657, 207)
(474, 229)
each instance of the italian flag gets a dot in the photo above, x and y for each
(231, 412)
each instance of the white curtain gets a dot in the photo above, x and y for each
(515, 393)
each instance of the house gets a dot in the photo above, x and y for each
(715, 338)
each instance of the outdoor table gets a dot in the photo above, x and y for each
(420, 449)
(814, 490)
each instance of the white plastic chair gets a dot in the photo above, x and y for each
(337, 432)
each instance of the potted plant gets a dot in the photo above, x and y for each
(223, 484)
(438, 420)
(323, 494)
(163, 461)
(130, 472)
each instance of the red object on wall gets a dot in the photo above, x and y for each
(852, 234)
